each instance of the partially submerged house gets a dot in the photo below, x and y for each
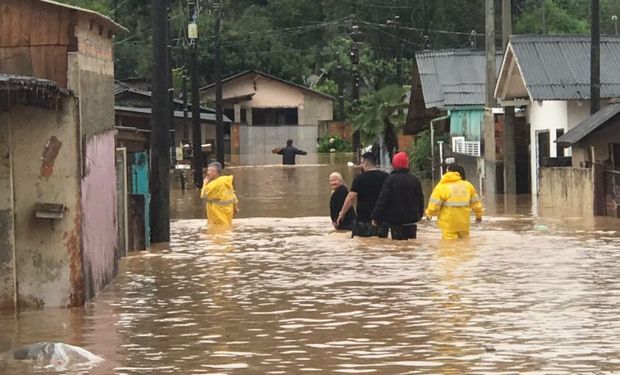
(453, 83)
(595, 143)
(58, 242)
(283, 109)
(549, 78)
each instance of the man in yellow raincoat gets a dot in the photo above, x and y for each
(218, 192)
(452, 201)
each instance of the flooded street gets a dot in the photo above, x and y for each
(284, 294)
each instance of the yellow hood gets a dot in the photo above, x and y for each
(450, 177)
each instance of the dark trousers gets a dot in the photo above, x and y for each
(404, 232)
(365, 229)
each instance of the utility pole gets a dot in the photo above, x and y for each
(219, 119)
(185, 110)
(595, 59)
(172, 129)
(192, 32)
(355, 85)
(509, 150)
(399, 50)
(160, 155)
(490, 158)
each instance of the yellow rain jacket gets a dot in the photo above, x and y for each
(452, 201)
(221, 200)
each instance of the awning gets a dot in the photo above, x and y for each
(591, 124)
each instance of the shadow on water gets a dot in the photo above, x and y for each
(284, 294)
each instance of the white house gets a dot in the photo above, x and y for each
(549, 76)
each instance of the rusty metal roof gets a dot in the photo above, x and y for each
(588, 126)
(558, 67)
(453, 77)
(30, 91)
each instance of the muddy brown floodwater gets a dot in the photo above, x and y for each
(284, 294)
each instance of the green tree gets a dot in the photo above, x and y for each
(380, 114)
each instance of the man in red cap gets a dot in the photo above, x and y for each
(401, 201)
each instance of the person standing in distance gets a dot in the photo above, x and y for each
(219, 194)
(288, 153)
(401, 202)
(364, 192)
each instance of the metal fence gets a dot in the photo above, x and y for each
(262, 139)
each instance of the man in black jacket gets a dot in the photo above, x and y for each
(401, 201)
(288, 153)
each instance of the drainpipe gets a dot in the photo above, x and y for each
(433, 144)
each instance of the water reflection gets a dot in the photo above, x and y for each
(284, 294)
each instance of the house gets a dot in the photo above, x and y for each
(133, 114)
(58, 230)
(453, 82)
(283, 109)
(595, 144)
(549, 78)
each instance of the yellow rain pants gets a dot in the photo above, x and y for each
(452, 201)
(220, 200)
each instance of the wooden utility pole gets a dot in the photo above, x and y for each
(355, 78)
(509, 149)
(219, 116)
(192, 31)
(489, 119)
(595, 59)
(160, 155)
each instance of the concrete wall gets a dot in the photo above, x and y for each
(7, 248)
(566, 192)
(91, 77)
(260, 140)
(45, 156)
(100, 256)
(315, 109)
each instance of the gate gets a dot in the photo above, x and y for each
(612, 193)
(121, 200)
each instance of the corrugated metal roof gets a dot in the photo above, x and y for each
(453, 77)
(558, 67)
(121, 87)
(589, 125)
(177, 114)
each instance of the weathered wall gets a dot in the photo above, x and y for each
(7, 249)
(566, 192)
(91, 77)
(34, 39)
(316, 108)
(100, 255)
(45, 157)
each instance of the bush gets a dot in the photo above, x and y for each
(334, 142)
(420, 152)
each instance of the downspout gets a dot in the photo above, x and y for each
(433, 144)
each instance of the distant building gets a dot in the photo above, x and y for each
(548, 77)
(453, 83)
(58, 242)
(281, 109)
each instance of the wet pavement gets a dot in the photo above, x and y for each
(285, 294)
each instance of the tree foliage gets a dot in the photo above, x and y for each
(296, 39)
(380, 113)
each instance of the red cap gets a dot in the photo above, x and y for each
(400, 161)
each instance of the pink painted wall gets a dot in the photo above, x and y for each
(100, 261)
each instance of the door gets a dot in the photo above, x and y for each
(140, 186)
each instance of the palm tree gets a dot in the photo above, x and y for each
(380, 113)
